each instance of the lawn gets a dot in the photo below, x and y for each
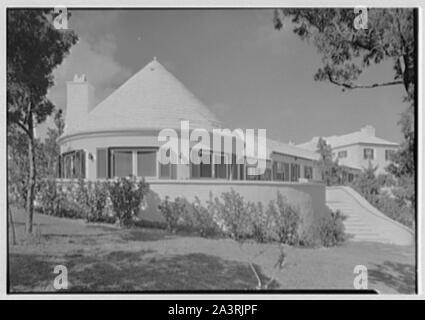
(105, 258)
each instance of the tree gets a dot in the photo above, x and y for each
(329, 168)
(346, 52)
(368, 184)
(51, 147)
(34, 49)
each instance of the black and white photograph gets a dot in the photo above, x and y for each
(212, 150)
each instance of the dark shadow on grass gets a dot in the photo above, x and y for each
(142, 234)
(399, 276)
(141, 271)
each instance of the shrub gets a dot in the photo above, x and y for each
(203, 220)
(396, 210)
(329, 230)
(58, 200)
(49, 198)
(261, 223)
(92, 197)
(233, 214)
(126, 195)
(172, 212)
(286, 220)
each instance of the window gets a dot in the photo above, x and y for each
(146, 163)
(342, 154)
(72, 165)
(295, 172)
(389, 154)
(280, 171)
(126, 162)
(308, 172)
(220, 166)
(202, 170)
(368, 154)
(122, 163)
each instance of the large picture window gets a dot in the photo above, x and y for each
(146, 163)
(122, 163)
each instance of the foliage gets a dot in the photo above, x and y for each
(232, 211)
(286, 220)
(368, 185)
(391, 200)
(204, 222)
(172, 211)
(51, 149)
(57, 200)
(261, 223)
(396, 209)
(327, 230)
(331, 229)
(18, 163)
(329, 168)
(93, 199)
(347, 53)
(34, 49)
(127, 195)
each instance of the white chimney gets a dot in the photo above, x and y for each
(369, 130)
(79, 100)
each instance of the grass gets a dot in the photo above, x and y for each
(104, 258)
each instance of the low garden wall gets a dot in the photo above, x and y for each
(309, 198)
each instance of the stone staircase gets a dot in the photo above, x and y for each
(364, 222)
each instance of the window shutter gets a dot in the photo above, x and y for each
(102, 163)
(59, 167)
(83, 164)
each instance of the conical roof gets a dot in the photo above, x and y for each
(151, 99)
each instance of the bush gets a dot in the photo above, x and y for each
(203, 220)
(261, 223)
(232, 212)
(49, 198)
(92, 197)
(396, 210)
(126, 195)
(172, 212)
(286, 220)
(58, 200)
(327, 231)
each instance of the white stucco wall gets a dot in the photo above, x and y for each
(355, 158)
(309, 198)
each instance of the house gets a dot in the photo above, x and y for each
(356, 150)
(119, 136)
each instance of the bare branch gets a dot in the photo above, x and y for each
(22, 126)
(368, 86)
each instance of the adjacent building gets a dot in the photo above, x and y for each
(356, 150)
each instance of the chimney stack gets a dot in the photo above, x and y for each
(79, 100)
(369, 130)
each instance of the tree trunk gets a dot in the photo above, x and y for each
(12, 225)
(31, 178)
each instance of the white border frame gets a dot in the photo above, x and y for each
(221, 4)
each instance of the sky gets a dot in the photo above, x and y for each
(249, 74)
